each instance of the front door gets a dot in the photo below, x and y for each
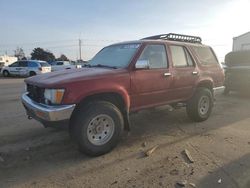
(13, 68)
(150, 84)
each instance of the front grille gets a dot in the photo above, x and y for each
(36, 93)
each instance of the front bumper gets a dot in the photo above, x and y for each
(42, 112)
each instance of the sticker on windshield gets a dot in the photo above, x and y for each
(130, 46)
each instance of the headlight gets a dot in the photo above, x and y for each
(53, 96)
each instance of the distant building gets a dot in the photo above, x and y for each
(242, 42)
(6, 60)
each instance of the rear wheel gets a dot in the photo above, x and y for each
(200, 106)
(6, 73)
(97, 127)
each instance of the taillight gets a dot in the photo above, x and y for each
(40, 68)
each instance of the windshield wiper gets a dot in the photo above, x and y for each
(107, 66)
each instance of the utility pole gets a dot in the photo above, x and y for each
(80, 49)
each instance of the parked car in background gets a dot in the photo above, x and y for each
(26, 68)
(237, 74)
(62, 65)
(97, 100)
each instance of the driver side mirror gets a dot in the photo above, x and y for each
(142, 64)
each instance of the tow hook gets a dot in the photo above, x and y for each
(29, 117)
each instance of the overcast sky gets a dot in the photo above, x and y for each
(57, 25)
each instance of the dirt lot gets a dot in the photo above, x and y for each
(32, 156)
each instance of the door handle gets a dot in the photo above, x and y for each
(167, 74)
(195, 73)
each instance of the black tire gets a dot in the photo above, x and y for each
(81, 123)
(226, 91)
(195, 108)
(6, 73)
(32, 73)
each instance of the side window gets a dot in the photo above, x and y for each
(190, 60)
(178, 56)
(205, 55)
(181, 57)
(23, 63)
(33, 64)
(155, 55)
(16, 64)
(59, 63)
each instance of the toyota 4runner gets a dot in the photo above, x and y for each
(122, 78)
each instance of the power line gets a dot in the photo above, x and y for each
(58, 41)
(37, 43)
(57, 47)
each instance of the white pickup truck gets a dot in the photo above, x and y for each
(62, 65)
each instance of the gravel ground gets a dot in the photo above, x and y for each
(32, 156)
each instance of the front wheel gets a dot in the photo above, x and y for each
(200, 106)
(97, 127)
(6, 73)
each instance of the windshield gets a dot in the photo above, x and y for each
(115, 56)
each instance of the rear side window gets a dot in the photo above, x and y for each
(181, 57)
(205, 55)
(23, 63)
(178, 56)
(33, 64)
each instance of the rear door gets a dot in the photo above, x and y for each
(150, 85)
(185, 73)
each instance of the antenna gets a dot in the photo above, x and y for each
(80, 49)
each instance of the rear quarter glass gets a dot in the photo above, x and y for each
(205, 54)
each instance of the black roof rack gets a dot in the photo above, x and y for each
(175, 37)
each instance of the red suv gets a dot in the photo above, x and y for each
(122, 78)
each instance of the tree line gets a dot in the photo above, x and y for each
(39, 54)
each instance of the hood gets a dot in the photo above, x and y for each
(53, 79)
